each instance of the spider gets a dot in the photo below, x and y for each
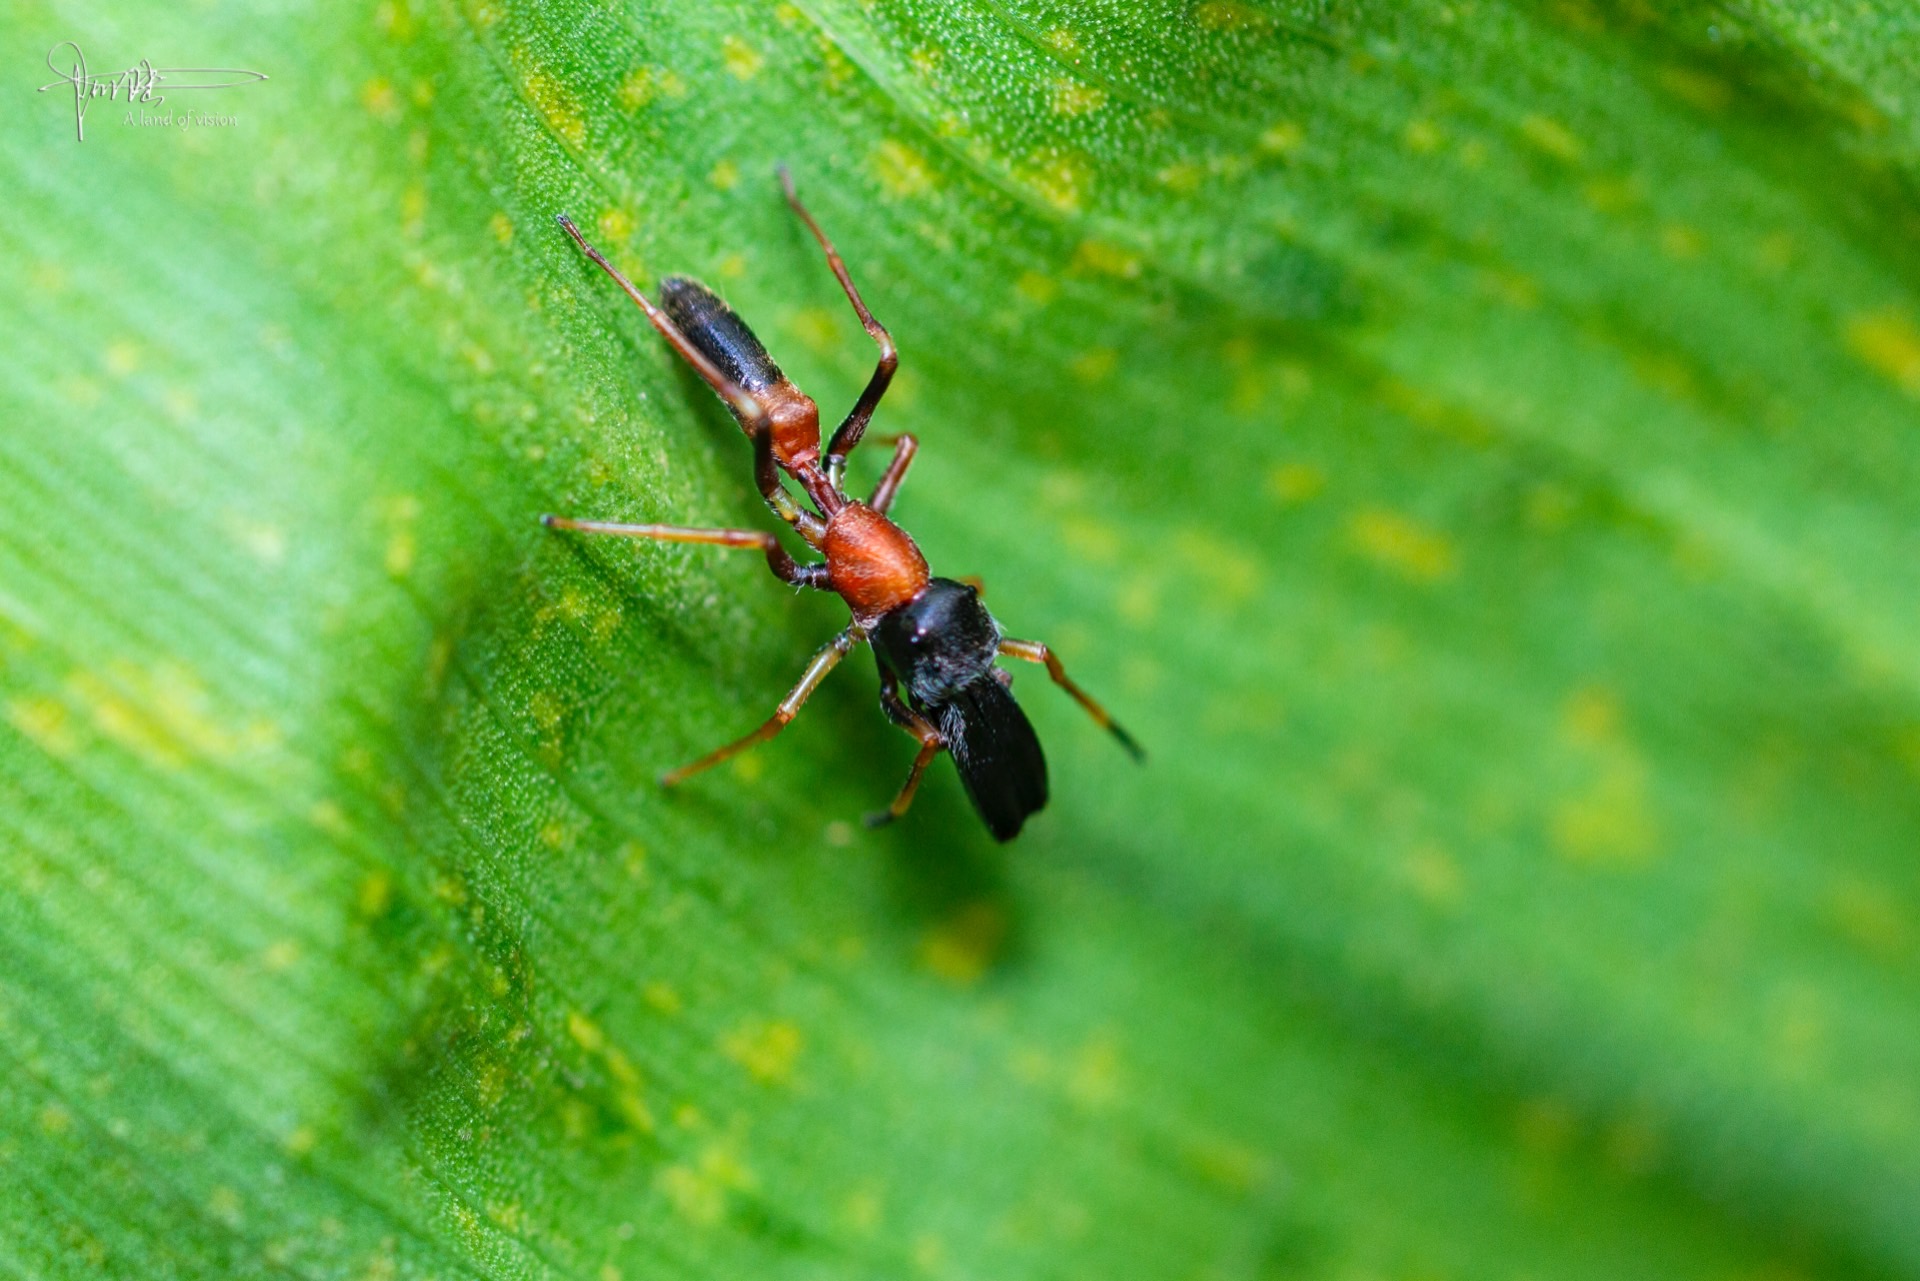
(933, 639)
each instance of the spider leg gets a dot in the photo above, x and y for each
(904, 448)
(753, 415)
(783, 565)
(823, 662)
(930, 744)
(848, 434)
(1037, 652)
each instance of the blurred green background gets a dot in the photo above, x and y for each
(1474, 445)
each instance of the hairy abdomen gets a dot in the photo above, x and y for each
(997, 753)
(722, 337)
(719, 333)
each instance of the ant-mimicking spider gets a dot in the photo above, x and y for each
(931, 636)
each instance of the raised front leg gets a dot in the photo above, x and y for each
(1036, 652)
(848, 434)
(753, 416)
(823, 662)
(783, 565)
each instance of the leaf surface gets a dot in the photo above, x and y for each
(1472, 445)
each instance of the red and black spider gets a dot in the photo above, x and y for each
(934, 641)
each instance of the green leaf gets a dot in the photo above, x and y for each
(1473, 445)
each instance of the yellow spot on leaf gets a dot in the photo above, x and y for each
(698, 1189)
(1633, 1145)
(375, 894)
(1138, 600)
(586, 1033)
(645, 84)
(1550, 506)
(224, 1204)
(1282, 139)
(161, 713)
(281, 956)
(1226, 15)
(817, 327)
(1227, 1164)
(1399, 543)
(1776, 252)
(900, 169)
(1552, 138)
(1182, 177)
(1613, 195)
(1514, 288)
(861, 1211)
(1227, 570)
(1106, 258)
(1608, 822)
(742, 60)
(558, 108)
(547, 710)
(1699, 88)
(839, 68)
(265, 542)
(413, 211)
(1870, 917)
(396, 18)
(1422, 136)
(1090, 539)
(401, 550)
(615, 225)
(1681, 241)
(963, 947)
(1546, 1126)
(1073, 98)
(1888, 342)
(1798, 1019)
(44, 720)
(767, 1050)
(1093, 1079)
(724, 176)
(1059, 178)
(123, 357)
(1094, 365)
(633, 859)
(378, 97)
(1294, 483)
(1591, 718)
(1434, 875)
(1037, 288)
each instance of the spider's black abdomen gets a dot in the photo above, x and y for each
(940, 642)
(717, 330)
(997, 753)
